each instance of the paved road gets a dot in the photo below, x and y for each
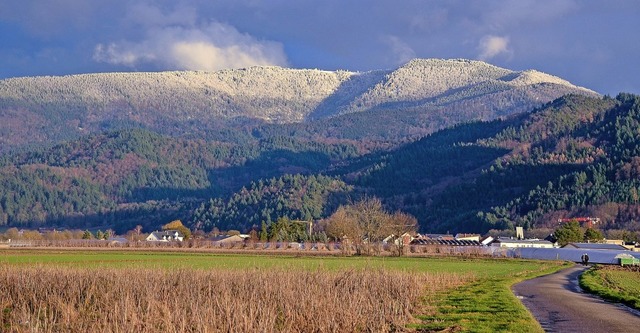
(559, 305)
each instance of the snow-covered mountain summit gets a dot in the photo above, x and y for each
(177, 101)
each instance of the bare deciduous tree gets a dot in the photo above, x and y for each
(402, 224)
(342, 226)
(365, 224)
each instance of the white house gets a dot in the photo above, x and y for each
(406, 238)
(165, 236)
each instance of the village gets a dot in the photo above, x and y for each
(602, 251)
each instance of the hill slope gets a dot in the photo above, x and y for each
(574, 156)
(197, 104)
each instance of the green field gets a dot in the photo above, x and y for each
(484, 305)
(614, 283)
(171, 259)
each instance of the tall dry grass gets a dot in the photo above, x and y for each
(50, 299)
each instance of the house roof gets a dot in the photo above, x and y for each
(521, 241)
(227, 239)
(462, 235)
(488, 240)
(438, 236)
(166, 235)
(595, 246)
(450, 242)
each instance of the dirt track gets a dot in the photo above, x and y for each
(559, 305)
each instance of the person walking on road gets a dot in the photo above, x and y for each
(585, 259)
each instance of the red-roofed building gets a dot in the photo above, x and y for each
(585, 222)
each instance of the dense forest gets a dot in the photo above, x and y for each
(295, 197)
(129, 177)
(574, 156)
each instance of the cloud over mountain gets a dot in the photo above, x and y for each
(175, 40)
(591, 43)
(492, 46)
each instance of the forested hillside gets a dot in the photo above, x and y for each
(293, 196)
(408, 136)
(574, 156)
(131, 177)
(422, 96)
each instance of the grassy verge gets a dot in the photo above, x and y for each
(487, 304)
(614, 283)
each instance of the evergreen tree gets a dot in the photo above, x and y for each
(569, 232)
(264, 235)
(87, 235)
(592, 235)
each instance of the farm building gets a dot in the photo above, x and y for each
(227, 239)
(585, 222)
(471, 237)
(437, 236)
(516, 243)
(406, 239)
(445, 242)
(594, 246)
(165, 236)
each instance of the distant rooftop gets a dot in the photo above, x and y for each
(528, 241)
(440, 241)
(594, 246)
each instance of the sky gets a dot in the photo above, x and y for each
(591, 43)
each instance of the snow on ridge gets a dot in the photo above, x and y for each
(531, 76)
(275, 93)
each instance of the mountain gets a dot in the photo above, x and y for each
(574, 156)
(421, 96)
(462, 145)
(134, 176)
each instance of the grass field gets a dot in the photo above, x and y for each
(464, 294)
(615, 283)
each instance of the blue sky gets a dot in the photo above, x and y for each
(591, 43)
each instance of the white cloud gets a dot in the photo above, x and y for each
(491, 46)
(401, 52)
(120, 54)
(206, 56)
(210, 47)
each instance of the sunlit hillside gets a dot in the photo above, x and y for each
(46, 109)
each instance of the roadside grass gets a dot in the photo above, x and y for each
(613, 283)
(484, 303)
(487, 304)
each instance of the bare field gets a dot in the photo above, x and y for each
(47, 294)
(64, 290)
(64, 299)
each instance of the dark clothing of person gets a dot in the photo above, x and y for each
(585, 259)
